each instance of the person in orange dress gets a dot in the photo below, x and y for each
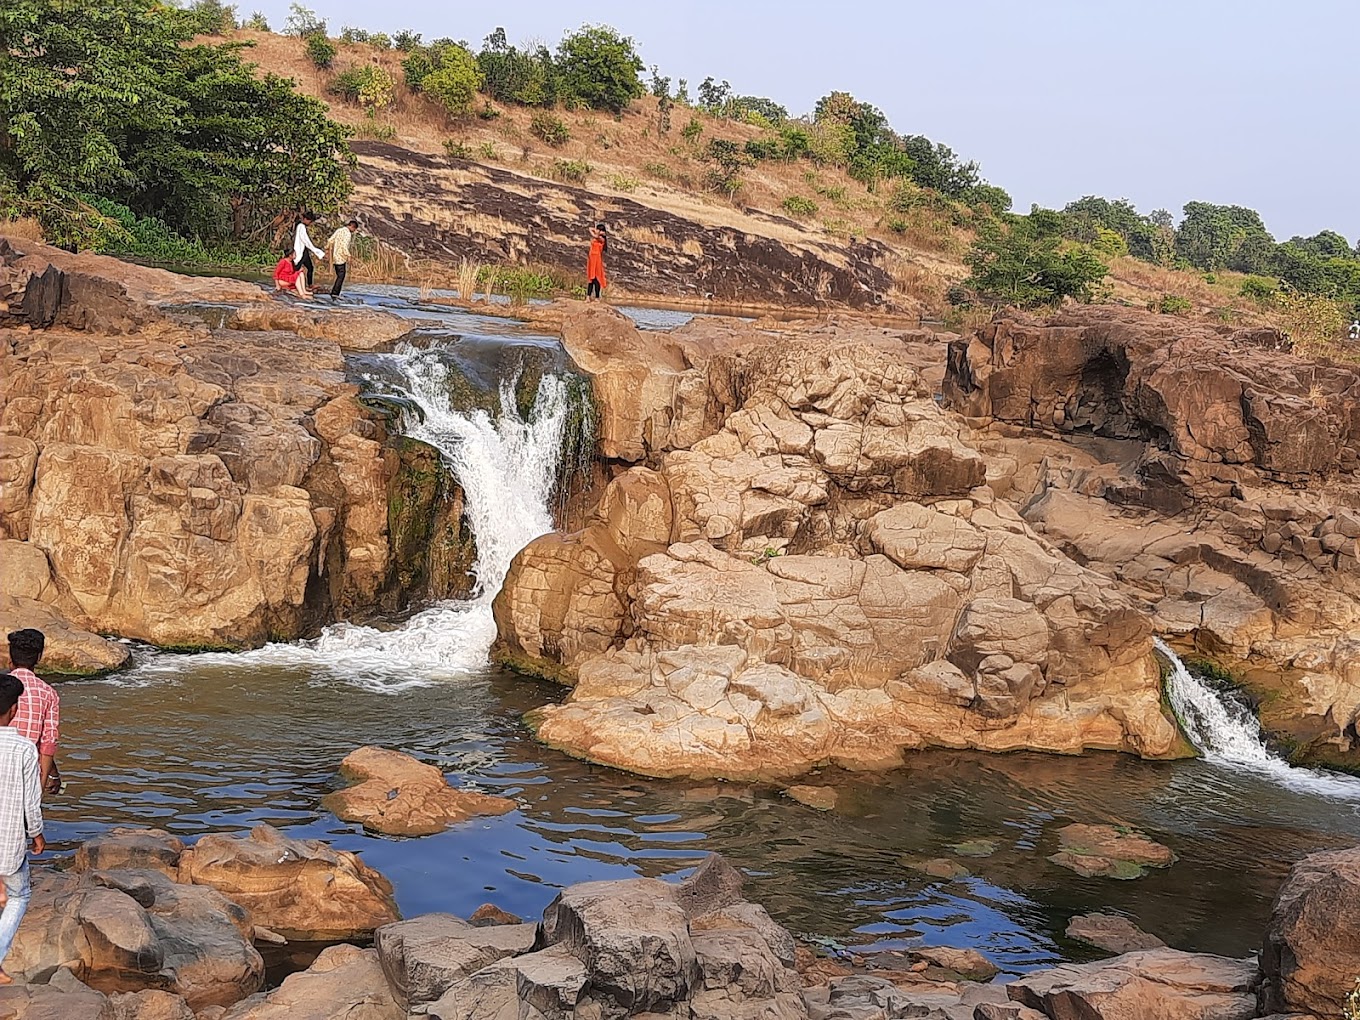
(595, 278)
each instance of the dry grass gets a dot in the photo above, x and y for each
(918, 283)
(24, 227)
(372, 259)
(467, 279)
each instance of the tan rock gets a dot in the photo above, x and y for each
(150, 1004)
(24, 572)
(1109, 851)
(1112, 933)
(18, 459)
(823, 798)
(397, 795)
(69, 650)
(301, 889)
(345, 983)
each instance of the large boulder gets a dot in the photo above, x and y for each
(425, 956)
(64, 997)
(345, 983)
(299, 888)
(1310, 958)
(394, 794)
(1162, 983)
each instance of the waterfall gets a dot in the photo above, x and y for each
(1226, 733)
(508, 467)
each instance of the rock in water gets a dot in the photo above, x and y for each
(300, 888)
(823, 798)
(1112, 933)
(1109, 851)
(397, 795)
(1310, 958)
(1162, 983)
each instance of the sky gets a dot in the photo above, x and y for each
(1239, 103)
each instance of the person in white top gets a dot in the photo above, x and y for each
(338, 246)
(21, 820)
(303, 247)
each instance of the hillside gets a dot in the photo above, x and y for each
(510, 198)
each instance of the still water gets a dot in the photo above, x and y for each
(218, 745)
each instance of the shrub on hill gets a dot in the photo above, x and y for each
(320, 51)
(455, 82)
(599, 68)
(368, 85)
(1024, 263)
(549, 128)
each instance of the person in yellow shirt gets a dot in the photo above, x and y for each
(338, 245)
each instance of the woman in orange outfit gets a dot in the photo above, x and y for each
(599, 244)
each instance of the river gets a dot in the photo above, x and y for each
(205, 743)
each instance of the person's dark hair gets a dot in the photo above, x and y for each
(26, 647)
(353, 223)
(308, 216)
(11, 689)
(604, 235)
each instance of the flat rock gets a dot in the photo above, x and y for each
(936, 867)
(300, 888)
(823, 798)
(1109, 851)
(489, 913)
(345, 983)
(397, 795)
(1112, 933)
(1162, 983)
(129, 848)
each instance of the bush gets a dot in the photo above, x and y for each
(1025, 265)
(658, 170)
(619, 182)
(692, 130)
(416, 66)
(455, 83)
(406, 40)
(350, 34)
(257, 22)
(549, 128)
(728, 160)
(488, 150)
(303, 21)
(517, 76)
(1171, 304)
(321, 51)
(488, 112)
(368, 85)
(797, 205)
(1110, 242)
(1258, 288)
(380, 41)
(599, 68)
(573, 171)
(897, 224)
(212, 17)
(455, 149)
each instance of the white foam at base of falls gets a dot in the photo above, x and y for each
(1229, 735)
(507, 467)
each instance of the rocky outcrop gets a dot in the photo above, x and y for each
(1213, 476)
(185, 485)
(394, 794)
(810, 567)
(1310, 958)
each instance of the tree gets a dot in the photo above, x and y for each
(600, 68)
(516, 75)
(1224, 237)
(1024, 264)
(454, 84)
(111, 99)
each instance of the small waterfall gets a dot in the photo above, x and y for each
(510, 467)
(1227, 733)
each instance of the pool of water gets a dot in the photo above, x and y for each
(196, 744)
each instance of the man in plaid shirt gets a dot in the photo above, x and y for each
(39, 714)
(21, 821)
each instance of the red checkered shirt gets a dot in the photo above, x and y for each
(39, 714)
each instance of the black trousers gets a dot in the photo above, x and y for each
(305, 263)
(593, 288)
(340, 268)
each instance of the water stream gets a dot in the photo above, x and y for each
(208, 743)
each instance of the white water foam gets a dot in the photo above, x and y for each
(507, 467)
(1229, 735)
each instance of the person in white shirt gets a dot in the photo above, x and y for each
(338, 246)
(21, 820)
(303, 247)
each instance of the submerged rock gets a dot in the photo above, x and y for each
(1109, 851)
(823, 798)
(397, 795)
(1112, 933)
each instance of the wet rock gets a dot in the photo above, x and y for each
(947, 963)
(1163, 983)
(1006, 1011)
(714, 885)
(301, 889)
(869, 996)
(397, 795)
(823, 798)
(937, 867)
(974, 848)
(125, 930)
(1112, 933)
(1310, 956)
(345, 983)
(427, 955)
(550, 982)
(1109, 851)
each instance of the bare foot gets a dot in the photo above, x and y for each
(5, 979)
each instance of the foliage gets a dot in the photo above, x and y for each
(517, 76)
(112, 99)
(549, 128)
(1171, 304)
(727, 160)
(212, 17)
(692, 130)
(1025, 264)
(599, 68)
(1110, 242)
(621, 182)
(380, 41)
(257, 22)
(368, 85)
(302, 21)
(418, 65)
(988, 196)
(572, 171)
(455, 82)
(1313, 323)
(1224, 237)
(455, 149)
(320, 51)
(350, 34)
(406, 40)
(1258, 288)
(798, 205)
(658, 170)
(145, 237)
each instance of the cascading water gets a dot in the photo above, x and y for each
(1226, 733)
(508, 466)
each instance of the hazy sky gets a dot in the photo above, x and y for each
(1231, 101)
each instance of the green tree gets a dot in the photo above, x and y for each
(1024, 264)
(514, 75)
(600, 68)
(1224, 237)
(456, 81)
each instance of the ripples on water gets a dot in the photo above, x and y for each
(212, 743)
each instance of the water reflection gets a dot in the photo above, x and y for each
(216, 745)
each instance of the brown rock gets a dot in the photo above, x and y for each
(69, 650)
(426, 956)
(823, 798)
(64, 997)
(150, 1004)
(1112, 933)
(301, 889)
(128, 848)
(345, 983)
(399, 796)
(489, 913)
(1109, 851)
(1311, 954)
